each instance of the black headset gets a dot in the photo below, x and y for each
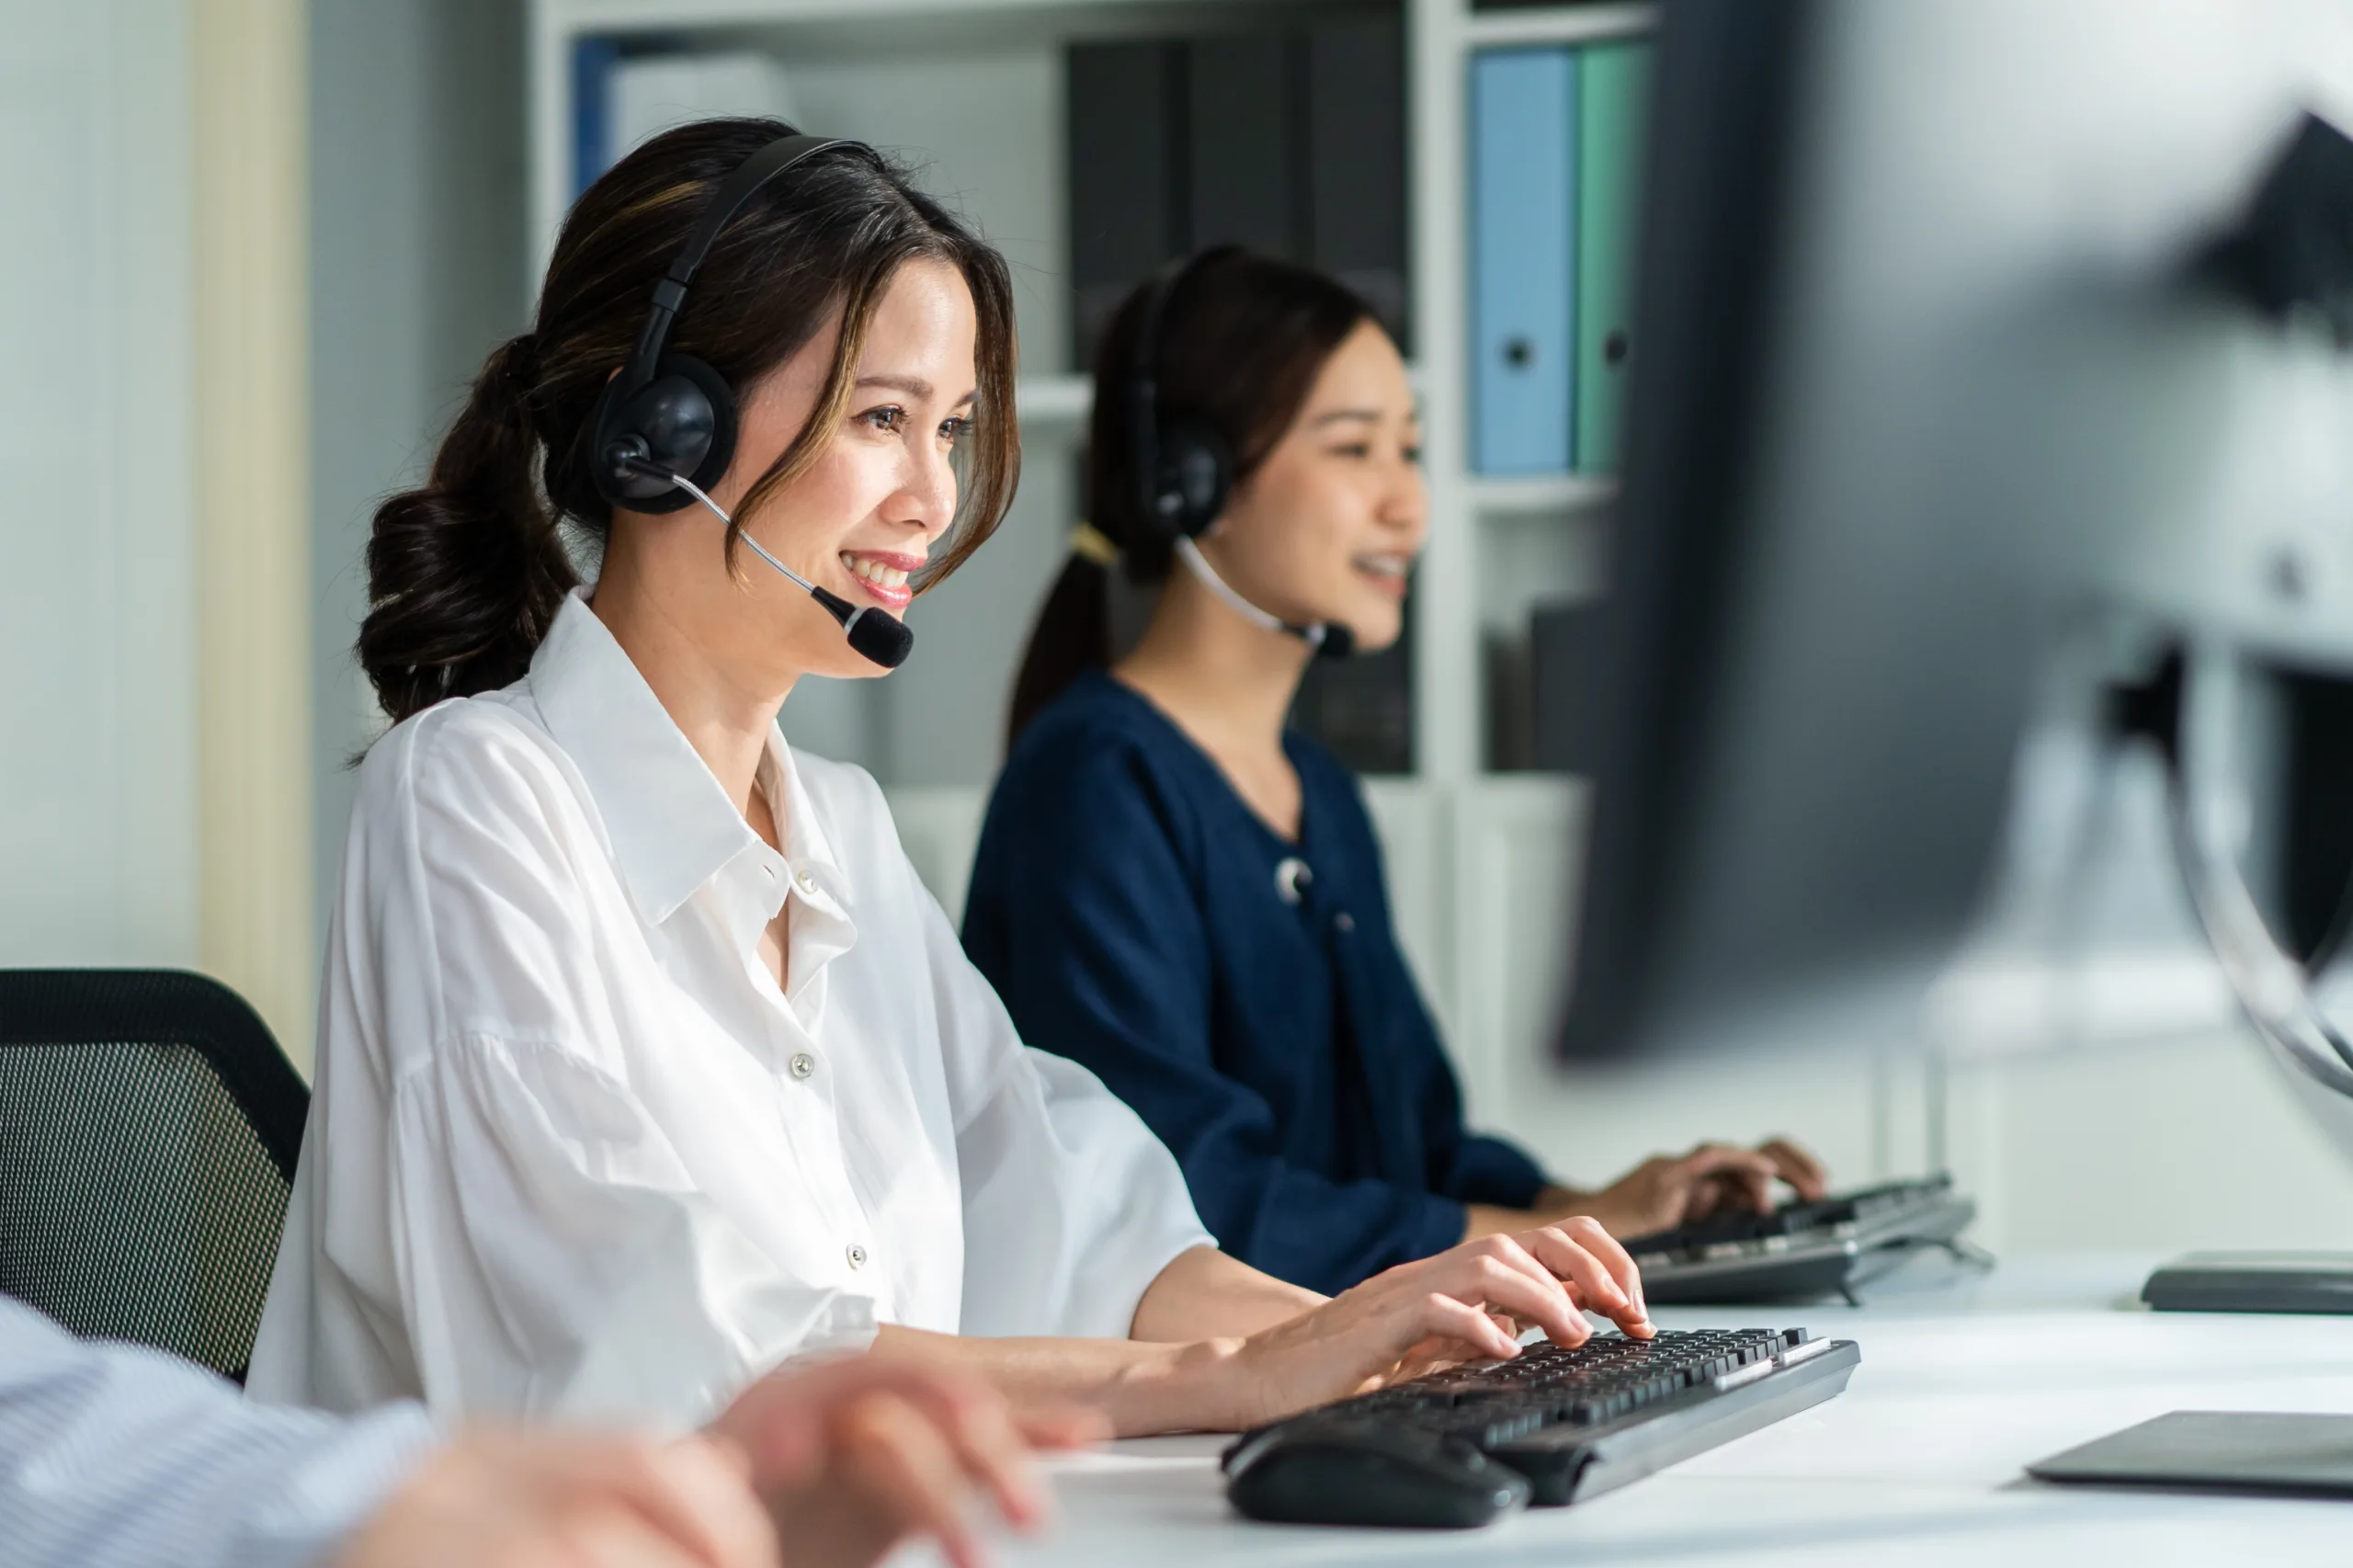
(670, 414)
(1183, 469)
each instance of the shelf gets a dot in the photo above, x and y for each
(1543, 495)
(903, 29)
(1054, 400)
(1566, 24)
(646, 16)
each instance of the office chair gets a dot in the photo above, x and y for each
(149, 1126)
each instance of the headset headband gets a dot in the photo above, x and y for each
(750, 175)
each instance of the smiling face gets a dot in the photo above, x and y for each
(859, 522)
(1327, 527)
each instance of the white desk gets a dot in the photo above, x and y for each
(1918, 1462)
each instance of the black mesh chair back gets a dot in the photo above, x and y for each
(149, 1126)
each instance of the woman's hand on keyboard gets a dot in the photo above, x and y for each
(1469, 1302)
(1667, 1190)
(1795, 1164)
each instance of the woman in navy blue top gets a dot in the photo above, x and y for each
(1185, 896)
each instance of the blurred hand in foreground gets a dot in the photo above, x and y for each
(827, 1465)
(856, 1454)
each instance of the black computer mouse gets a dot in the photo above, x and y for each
(1368, 1472)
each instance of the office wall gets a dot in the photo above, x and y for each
(416, 271)
(157, 714)
(98, 780)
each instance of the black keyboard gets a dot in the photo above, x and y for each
(1550, 1426)
(1802, 1250)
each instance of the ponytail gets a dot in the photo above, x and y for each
(1071, 637)
(466, 574)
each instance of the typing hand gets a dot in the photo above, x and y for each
(1669, 1190)
(1794, 1164)
(1469, 1302)
(496, 1499)
(856, 1454)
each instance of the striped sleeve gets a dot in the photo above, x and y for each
(113, 1456)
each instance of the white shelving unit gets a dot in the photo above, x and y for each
(1545, 495)
(1055, 402)
(1556, 24)
(970, 92)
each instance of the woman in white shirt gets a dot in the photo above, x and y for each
(646, 1061)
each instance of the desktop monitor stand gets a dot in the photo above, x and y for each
(2185, 709)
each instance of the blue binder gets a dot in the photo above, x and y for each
(593, 60)
(1523, 267)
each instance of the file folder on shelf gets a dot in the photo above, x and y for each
(621, 99)
(1355, 161)
(1128, 214)
(593, 60)
(1289, 140)
(1241, 108)
(1524, 213)
(1613, 89)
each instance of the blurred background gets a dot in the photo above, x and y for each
(256, 249)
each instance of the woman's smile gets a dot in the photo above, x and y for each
(882, 574)
(1386, 571)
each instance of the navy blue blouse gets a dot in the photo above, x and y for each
(1246, 994)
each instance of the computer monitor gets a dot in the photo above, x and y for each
(1939, 404)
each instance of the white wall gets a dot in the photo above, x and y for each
(98, 837)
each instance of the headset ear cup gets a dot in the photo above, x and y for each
(720, 399)
(1197, 468)
(682, 420)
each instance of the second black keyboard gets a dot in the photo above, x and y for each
(1802, 1250)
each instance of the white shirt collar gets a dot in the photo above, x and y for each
(672, 827)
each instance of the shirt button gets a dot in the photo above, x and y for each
(801, 1064)
(1344, 923)
(856, 1255)
(808, 883)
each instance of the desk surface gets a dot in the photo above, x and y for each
(1963, 1381)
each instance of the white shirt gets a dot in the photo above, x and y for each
(116, 1456)
(571, 1150)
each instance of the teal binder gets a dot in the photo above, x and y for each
(1523, 285)
(1613, 100)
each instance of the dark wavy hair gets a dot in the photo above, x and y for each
(1242, 337)
(466, 574)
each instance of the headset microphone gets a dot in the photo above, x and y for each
(1330, 639)
(879, 637)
